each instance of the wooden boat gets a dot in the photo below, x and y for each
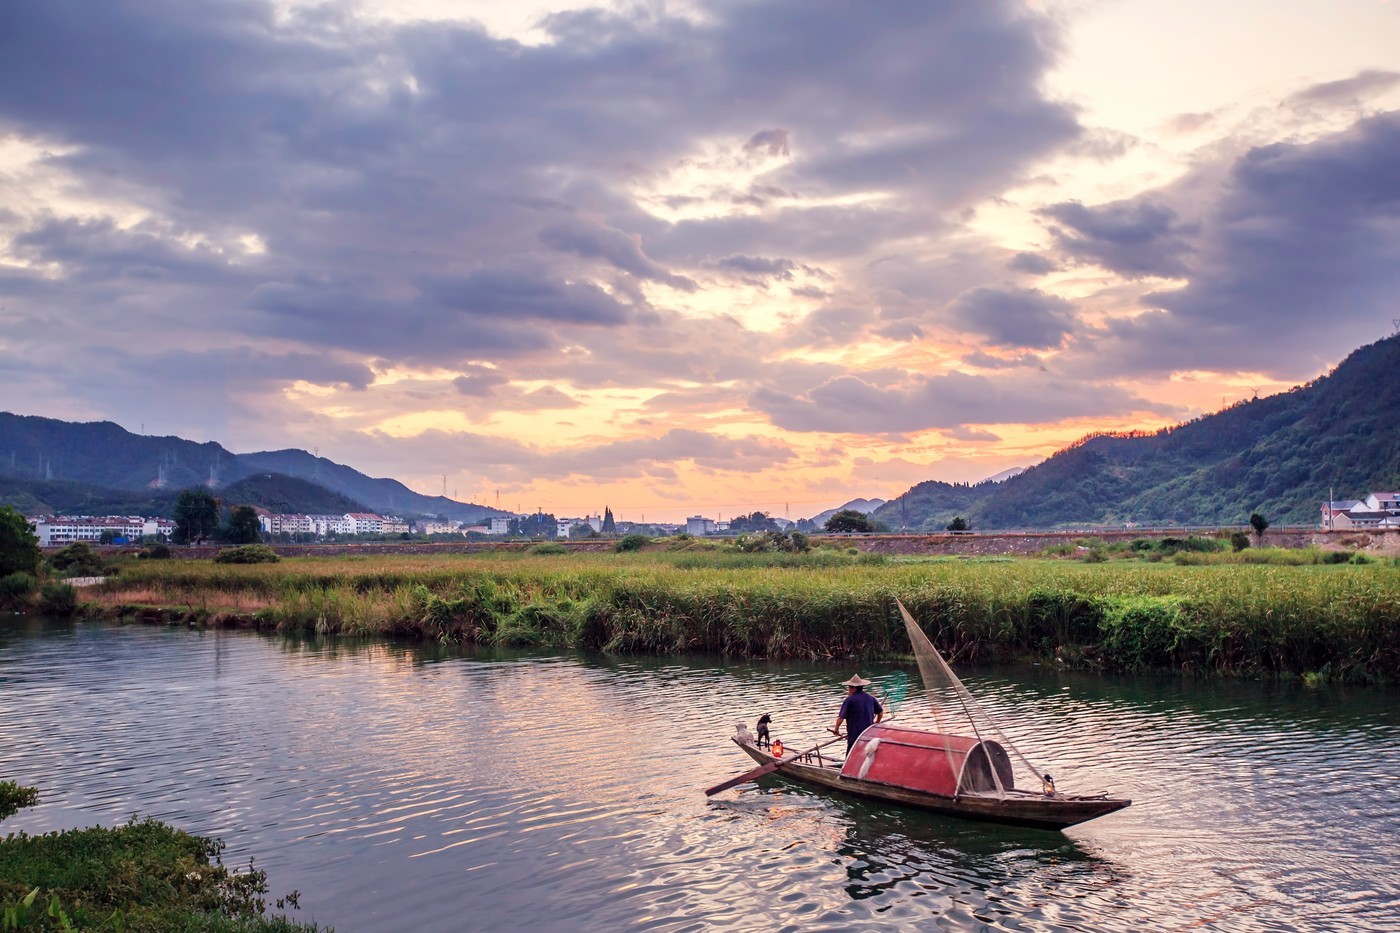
(940, 774)
(941, 771)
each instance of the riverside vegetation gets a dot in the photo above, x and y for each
(144, 876)
(1194, 605)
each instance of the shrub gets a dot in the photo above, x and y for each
(19, 549)
(15, 587)
(1336, 557)
(631, 543)
(1359, 558)
(246, 554)
(549, 547)
(77, 560)
(155, 552)
(14, 798)
(1239, 540)
(58, 599)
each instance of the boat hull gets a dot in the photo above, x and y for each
(1017, 809)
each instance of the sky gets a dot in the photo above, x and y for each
(698, 258)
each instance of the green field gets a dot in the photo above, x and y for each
(1311, 619)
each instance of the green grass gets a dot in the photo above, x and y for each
(1226, 616)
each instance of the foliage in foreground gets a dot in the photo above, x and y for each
(1340, 622)
(145, 876)
(19, 548)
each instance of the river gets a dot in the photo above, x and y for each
(425, 788)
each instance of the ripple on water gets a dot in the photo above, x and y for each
(420, 789)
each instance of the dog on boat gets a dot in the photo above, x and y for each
(763, 740)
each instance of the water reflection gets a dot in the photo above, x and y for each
(410, 786)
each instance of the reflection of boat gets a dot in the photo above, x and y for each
(941, 771)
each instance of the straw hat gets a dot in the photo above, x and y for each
(857, 681)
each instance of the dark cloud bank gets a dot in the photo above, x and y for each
(428, 195)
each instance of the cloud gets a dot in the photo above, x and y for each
(1134, 238)
(768, 142)
(1346, 92)
(1295, 258)
(850, 404)
(619, 249)
(1031, 263)
(758, 266)
(1014, 317)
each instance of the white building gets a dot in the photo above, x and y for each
(61, 530)
(364, 523)
(322, 525)
(393, 525)
(1379, 510)
(699, 525)
(434, 526)
(500, 525)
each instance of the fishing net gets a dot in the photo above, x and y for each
(957, 713)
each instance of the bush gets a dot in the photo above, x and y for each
(1239, 540)
(16, 587)
(19, 549)
(1359, 558)
(14, 798)
(549, 547)
(631, 543)
(247, 554)
(77, 560)
(155, 552)
(142, 876)
(1336, 557)
(58, 599)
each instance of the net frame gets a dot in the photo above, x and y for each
(946, 692)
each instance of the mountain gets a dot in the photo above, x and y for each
(1005, 475)
(288, 495)
(863, 506)
(100, 466)
(1278, 456)
(382, 495)
(932, 504)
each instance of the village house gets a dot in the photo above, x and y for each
(1379, 510)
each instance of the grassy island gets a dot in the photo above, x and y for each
(1293, 615)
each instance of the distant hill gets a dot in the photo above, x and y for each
(287, 495)
(932, 504)
(1278, 456)
(1005, 475)
(863, 506)
(44, 461)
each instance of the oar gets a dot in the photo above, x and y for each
(769, 768)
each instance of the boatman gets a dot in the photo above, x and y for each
(858, 711)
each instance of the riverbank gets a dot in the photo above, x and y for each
(1338, 622)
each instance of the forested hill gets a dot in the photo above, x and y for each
(932, 504)
(1278, 456)
(44, 461)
